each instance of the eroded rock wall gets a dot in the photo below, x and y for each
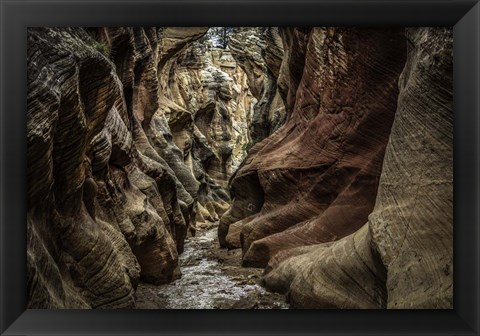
(315, 179)
(259, 52)
(403, 256)
(339, 222)
(208, 106)
(131, 135)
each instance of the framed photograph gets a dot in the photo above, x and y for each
(239, 167)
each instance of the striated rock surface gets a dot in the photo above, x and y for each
(315, 179)
(259, 51)
(403, 256)
(345, 195)
(207, 105)
(132, 132)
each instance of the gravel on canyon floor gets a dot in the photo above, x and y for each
(212, 278)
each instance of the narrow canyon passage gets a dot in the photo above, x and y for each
(240, 167)
(206, 82)
(231, 105)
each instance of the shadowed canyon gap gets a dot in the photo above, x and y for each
(322, 155)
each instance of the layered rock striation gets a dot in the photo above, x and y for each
(315, 178)
(132, 132)
(343, 209)
(403, 256)
(207, 104)
(345, 195)
(259, 52)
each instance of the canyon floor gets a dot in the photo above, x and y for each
(212, 278)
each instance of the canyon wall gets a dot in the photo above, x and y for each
(344, 210)
(259, 52)
(206, 105)
(345, 196)
(315, 179)
(132, 132)
(403, 256)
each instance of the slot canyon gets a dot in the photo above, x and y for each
(291, 167)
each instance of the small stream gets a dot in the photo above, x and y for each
(212, 278)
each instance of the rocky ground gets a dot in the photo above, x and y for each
(212, 278)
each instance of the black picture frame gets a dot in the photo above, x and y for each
(17, 15)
